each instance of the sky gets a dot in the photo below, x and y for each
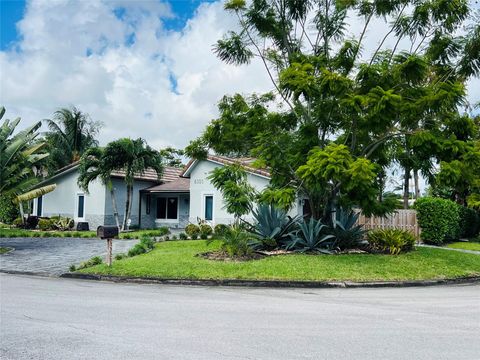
(144, 68)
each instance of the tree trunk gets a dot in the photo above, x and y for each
(128, 207)
(20, 204)
(417, 185)
(406, 185)
(115, 209)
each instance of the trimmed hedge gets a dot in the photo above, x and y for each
(439, 220)
(469, 222)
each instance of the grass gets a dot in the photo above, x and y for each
(4, 250)
(19, 233)
(473, 244)
(176, 259)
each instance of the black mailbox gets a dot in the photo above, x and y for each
(107, 232)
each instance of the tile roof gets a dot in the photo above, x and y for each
(169, 174)
(245, 162)
(178, 185)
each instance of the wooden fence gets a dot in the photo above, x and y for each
(402, 219)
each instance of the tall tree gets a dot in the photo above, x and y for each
(331, 90)
(94, 167)
(71, 133)
(133, 157)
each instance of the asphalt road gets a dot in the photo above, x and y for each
(52, 318)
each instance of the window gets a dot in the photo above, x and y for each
(167, 208)
(148, 205)
(39, 205)
(81, 206)
(209, 207)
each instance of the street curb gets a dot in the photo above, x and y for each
(273, 283)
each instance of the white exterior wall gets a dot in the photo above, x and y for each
(63, 200)
(200, 186)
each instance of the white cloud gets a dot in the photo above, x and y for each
(76, 52)
(117, 67)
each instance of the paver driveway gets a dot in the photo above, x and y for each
(53, 256)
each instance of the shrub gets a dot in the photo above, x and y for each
(8, 210)
(236, 242)
(18, 223)
(45, 224)
(120, 256)
(310, 237)
(203, 236)
(72, 268)
(205, 231)
(96, 260)
(469, 222)
(194, 237)
(62, 223)
(146, 244)
(439, 220)
(192, 230)
(183, 236)
(391, 241)
(174, 237)
(221, 229)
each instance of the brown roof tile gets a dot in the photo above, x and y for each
(178, 185)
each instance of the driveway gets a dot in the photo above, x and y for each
(54, 318)
(53, 256)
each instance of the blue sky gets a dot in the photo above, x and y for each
(12, 11)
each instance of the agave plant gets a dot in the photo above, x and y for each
(348, 234)
(272, 227)
(311, 236)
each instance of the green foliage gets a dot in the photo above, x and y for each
(120, 256)
(71, 133)
(347, 234)
(237, 192)
(62, 223)
(272, 227)
(18, 222)
(220, 230)
(391, 241)
(45, 224)
(236, 242)
(145, 245)
(439, 220)
(18, 154)
(192, 230)
(8, 210)
(183, 236)
(194, 236)
(280, 198)
(96, 260)
(206, 230)
(469, 222)
(310, 237)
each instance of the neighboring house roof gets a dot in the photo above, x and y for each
(180, 184)
(245, 162)
(169, 174)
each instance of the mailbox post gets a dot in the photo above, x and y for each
(108, 233)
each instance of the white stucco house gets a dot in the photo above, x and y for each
(180, 197)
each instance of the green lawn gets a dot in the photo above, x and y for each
(176, 259)
(471, 245)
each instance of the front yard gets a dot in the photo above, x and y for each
(178, 260)
(466, 245)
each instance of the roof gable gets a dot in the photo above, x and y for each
(245, 162)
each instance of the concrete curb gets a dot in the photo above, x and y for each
(274, 283)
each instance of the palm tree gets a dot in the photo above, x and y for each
(18, 154)
(133, 157)
(92, 167)
(71, 133)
